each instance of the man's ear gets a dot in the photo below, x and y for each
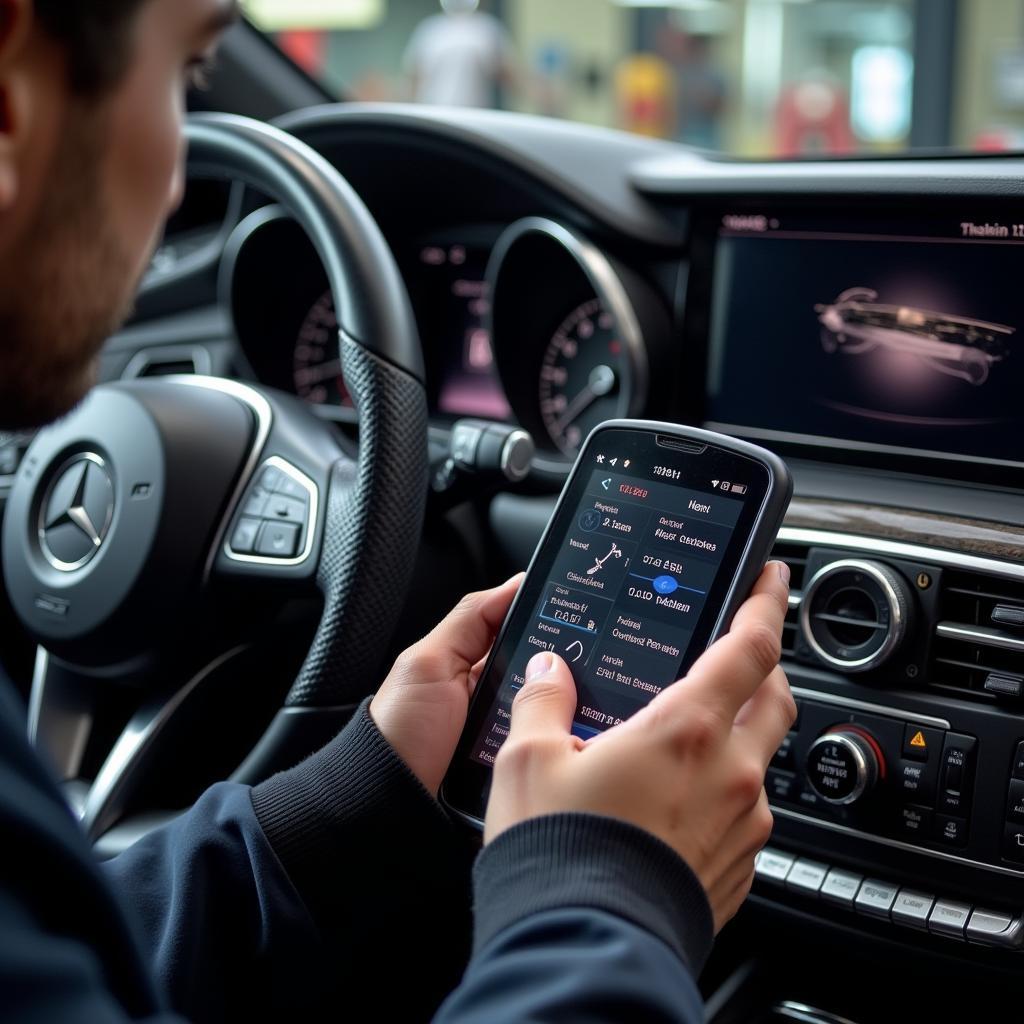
(15, 24)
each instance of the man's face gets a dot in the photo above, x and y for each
(85, 187)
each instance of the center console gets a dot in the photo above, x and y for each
(882, 349)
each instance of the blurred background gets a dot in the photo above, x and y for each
(743, 77)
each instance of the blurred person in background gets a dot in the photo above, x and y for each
(701, 93)
(461, 57)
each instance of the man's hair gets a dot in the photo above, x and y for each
(96, 35)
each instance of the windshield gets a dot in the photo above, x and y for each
(743, 77)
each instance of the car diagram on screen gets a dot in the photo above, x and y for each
(856, 323)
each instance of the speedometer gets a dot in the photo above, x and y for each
(316, 362)
(583, 376)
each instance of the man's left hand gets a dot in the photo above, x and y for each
(421, 708)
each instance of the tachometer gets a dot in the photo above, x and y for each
(316, 362)
(583, 376)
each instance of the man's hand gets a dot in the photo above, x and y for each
(689, 767)
(421, 708)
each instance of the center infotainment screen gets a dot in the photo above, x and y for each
(867, 332)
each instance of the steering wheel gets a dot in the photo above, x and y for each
(134, 522)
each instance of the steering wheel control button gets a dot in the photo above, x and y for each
(278, 540)
(842, 766)
(854, 614)
(921, 744)
(285, 510)
(276, 517)
(875, 897)
(912, 909)
(289, 487)
(807, 876)
(255, 501)
(841, 887)
(949, 918)
(773, 865)
(271, 478)
(243, 539)
(950, 831)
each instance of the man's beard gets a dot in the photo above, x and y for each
(65, 290)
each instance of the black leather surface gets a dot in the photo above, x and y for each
(371, 535)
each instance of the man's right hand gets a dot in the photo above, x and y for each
(689, 767)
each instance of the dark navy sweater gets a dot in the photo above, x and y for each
(256, 903)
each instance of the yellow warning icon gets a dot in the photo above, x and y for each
(918, 740)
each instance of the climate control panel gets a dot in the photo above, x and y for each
(911, 779)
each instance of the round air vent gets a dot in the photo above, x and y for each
(854, 614)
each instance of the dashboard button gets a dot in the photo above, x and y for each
(807, 876)
(1015, 801)
(956, 783)
(949, 918)
(783, 757)
(875, 897)
(841, 887)
(243, 540)
(278, 540)
(1013, 842)
(921, 744)
(773, 865)
(780, 785)
(917, 780)
(1003, 684)
(1018, 761)
(949, 830)
(912, 908)
(988, 926)
(915, 821)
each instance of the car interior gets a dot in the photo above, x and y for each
(290, 514)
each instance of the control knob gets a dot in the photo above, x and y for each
(843, 765)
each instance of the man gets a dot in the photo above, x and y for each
(608, 865)
(459, 58)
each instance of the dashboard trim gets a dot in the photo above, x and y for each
(896, 844)
(818, 441)
(900, 549)
(871, 709)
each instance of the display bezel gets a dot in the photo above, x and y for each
(466, 787)
(693, 399)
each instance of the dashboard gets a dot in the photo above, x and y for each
(862, 318)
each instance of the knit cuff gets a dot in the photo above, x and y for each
(344, 802)
(585, 860)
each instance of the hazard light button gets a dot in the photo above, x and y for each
(921, 744)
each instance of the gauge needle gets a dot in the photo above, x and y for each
(602, 380)
(316, 374)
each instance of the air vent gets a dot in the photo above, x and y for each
(164, 362)
(978, 647)
(795, 556)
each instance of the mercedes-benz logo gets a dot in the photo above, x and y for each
(76, 512)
